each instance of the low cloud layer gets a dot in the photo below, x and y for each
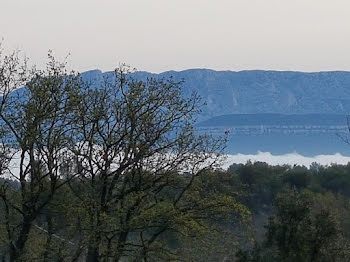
(290, 159)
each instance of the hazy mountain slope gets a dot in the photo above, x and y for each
(279, 112)
(227, 92)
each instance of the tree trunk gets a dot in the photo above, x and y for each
(92, 255)
(17, 249)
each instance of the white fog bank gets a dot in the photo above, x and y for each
(290, 159)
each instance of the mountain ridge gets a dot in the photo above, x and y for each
(259, 91)
(218, 71)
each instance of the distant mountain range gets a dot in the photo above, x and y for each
(275, 111)
(251, 92)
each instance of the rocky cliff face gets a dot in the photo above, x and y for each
(252, 106)
(250, 92)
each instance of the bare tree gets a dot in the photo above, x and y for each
(136, 157)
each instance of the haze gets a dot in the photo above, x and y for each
(160, 35)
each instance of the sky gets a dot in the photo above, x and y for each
(161, 35)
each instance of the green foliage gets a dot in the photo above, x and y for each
(299, 177)
(261, 181)
(335, 178)
(299, 232)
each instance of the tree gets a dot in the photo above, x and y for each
(136, 161)
(35, 124)
(106, 171)
(298, 232)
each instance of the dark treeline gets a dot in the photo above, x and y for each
(298, 213)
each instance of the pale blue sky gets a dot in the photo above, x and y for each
(159, 35)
